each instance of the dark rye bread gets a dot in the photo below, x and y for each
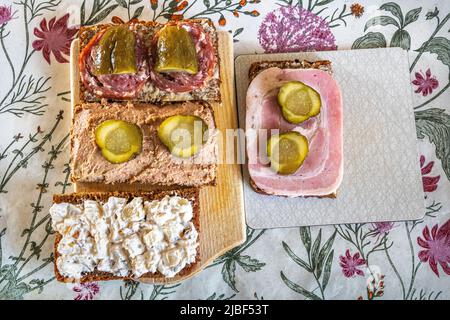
(154, 165)
(147, 29)
(257, 67)
(191, 194)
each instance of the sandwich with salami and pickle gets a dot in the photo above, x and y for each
(148, 61)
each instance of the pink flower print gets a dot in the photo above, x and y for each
(425, 82)
(54, 37)
(436, 247)
(351, 263)
(6, 15)
(86, 291)
(379, 229)
(292, 29)
(429, 183)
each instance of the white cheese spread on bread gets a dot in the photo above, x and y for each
(125, 239)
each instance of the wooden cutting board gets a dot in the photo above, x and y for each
(222, 221)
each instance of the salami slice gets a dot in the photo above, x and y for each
(113, 86)
(182, 81)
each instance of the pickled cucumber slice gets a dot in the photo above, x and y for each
(183, 135)
(287, 151)
(176, 51)
(298, 101)
(115, 52)
(118, 140)
(117, 158)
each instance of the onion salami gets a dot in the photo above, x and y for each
(113, 86)
(178, 82)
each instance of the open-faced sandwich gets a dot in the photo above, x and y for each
(149, 61)
(294, 109)
(106, 236)
(174, 145)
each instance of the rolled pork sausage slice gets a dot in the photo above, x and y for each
(321, 173)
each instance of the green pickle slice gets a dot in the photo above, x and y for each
(287, 151)
(176, 51)
(115, 52)
(118, 140)
(183, 135)
(298, 101)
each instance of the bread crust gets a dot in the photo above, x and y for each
(192, 194)
(211, 90)
(259, 190)
(257, 67)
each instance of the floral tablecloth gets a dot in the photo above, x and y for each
(398, 260)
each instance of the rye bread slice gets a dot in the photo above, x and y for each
(257, 67)
(154, 165)
(209, 92)
(191, 194)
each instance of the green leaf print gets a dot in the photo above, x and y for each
(249, 264)
(315, 250)
(370, 40)
(395, 9)
(327, 270)
(296, 258)
(99, 12)
(234, 256)
(423, 295)
(102, 15)
(137, 13)
(236, 33)
(122, 3)
(14, 276)
(432, 14)
(412, 16)
(27, 93)
(441, 24)
(435, 124)
(162, 292)
(319, 261)
(323, 2)
(229, 274)
(28, 98)
(305, 235)
(129, 289)
(381, 21)
(222, 296)
(299, 289)
(323, 254)
(439, 46)
(402, 39)
(23, 155)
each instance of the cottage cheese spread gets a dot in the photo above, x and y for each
(125, 238)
